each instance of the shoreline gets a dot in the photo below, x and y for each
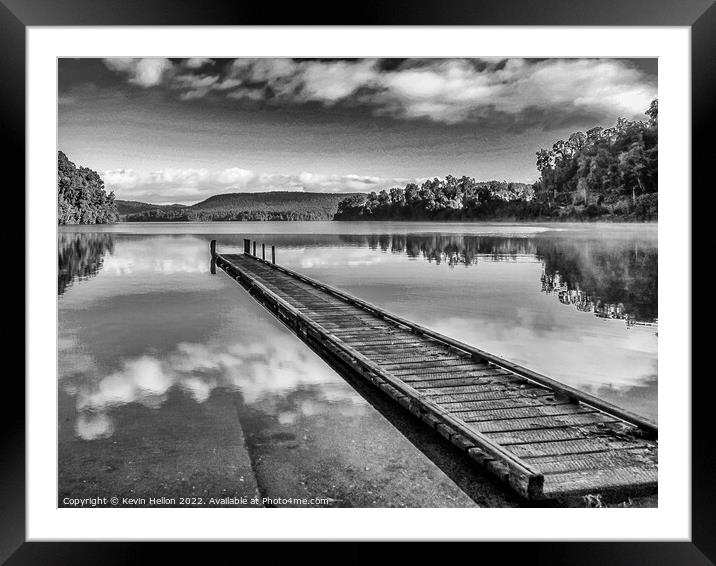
(607, 220)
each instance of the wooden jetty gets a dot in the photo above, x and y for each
(544, 438)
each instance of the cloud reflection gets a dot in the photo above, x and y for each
(333, 257)
(265, 373)
(161, 255)
(90, 426)
(580, 362)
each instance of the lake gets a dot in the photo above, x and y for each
(174, 383)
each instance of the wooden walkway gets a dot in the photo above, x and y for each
(543, 438)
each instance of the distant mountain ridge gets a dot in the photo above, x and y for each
(273, 205)
(131, 206)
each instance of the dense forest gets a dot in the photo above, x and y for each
(440, 199)
(604, 171)
(126, 207)
(275, 205)
(601, 174)
(81, 197)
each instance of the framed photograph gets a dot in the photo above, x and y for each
(416, 276)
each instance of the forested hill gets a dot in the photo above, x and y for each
(275, 205)
(125, 207)
(600, 174)
(81, 198)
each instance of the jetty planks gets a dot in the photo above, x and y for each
(544, 438)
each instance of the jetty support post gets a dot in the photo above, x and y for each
(247, 246)
(254, 248)
(263, 252)
(273, 254)
(212, 265)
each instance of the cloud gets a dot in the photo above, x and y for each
(186, 186)
(329, 82)
(144, 72)
(300, 81)
(197, 62)
(194, 86)
(458, 91)
(441, 90)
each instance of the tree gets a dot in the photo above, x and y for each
(81, 198)
(653, 113)
(602, 166)
(577, 140)
(632, 164)
(350, 206)
(594, 134)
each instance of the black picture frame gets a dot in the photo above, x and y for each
(17, 15)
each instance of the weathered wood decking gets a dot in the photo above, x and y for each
(544, 438)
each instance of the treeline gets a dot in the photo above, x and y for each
(125, 207)
(273, 205)
(218, 215)
(81, 197)
(604, 171)
(599, 174)
(440, 199)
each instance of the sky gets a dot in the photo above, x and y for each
(180, 130)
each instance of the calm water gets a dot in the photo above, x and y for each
(170, 376)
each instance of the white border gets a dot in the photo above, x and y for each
(670, 521)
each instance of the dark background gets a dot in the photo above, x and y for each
(15, 15)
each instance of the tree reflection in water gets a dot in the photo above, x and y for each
(80, 256)
(450, 249)
(609, 278)
(614, 281)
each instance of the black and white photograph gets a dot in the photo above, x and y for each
(357, 282)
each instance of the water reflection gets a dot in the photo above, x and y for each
(165, 255)
(171, 378)
(139, 329)
(617, 281)
(265, 373)
(609, 278)
(450, 249)
(80, 256)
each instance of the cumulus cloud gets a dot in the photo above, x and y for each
(187, 186)
(457, 90)
(265, 373)
(197, 62)
(144, 72)
(440, 90)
